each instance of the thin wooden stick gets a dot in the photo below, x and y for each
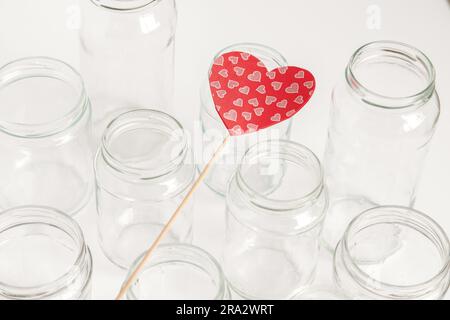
(169, 224)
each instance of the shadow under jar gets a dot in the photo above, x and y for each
(214, 131)
(43, 256)
(144, 168)
(45, 136)
(179, 272)
(383, 117)
(127, 56)
(393, 253)
(272, 233)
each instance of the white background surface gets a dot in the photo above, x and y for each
(318, 35)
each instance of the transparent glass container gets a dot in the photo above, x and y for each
(143, 170)
(383, 117)
(179, 272)
(393, 253)
(43, 256)
(214, 131)
(276, 204)
(127, 56)
(45, 136)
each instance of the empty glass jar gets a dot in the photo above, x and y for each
(276, 204)
(127, 55)
(393, 253)
(45, 136)
(144, 168)
(43, 256)
(179, 272)
(383, 117)
(214, 131)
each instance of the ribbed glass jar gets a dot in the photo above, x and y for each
(144, 168)
(127, 56)
(179, 272)
(43, 256)
(383, 117)
(276, 204)
(45, 136)
(393, 253)
(214, 130)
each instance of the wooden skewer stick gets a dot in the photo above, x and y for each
(169, 224)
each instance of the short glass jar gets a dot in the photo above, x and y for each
(214, 131)
(393, 253)
(276, 204)
(179, 272)
(383, 118)
(127, 56)
(144, 168)
(45, 136)
(43, 256)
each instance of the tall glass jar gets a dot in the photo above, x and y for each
(393, 253)
(276, 204)
(43, 256)
(383, 117)
(214, 130)
(144, 168)
(179, 272)
(45, 136)
(127, 55)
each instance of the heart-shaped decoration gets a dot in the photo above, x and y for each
(242, 86)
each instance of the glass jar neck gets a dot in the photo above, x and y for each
(125, 5)
(401, 216)
(79, 272)
(391, 75)
(23, 77)
(190, 257)
(271, 158)
(142, 128)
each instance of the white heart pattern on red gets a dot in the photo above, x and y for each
(230, 115)
(252, 98)
(244, 90)
(233, 84)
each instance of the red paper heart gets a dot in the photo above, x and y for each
(248, 97)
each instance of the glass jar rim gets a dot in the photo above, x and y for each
(61, 221)
(45, 67)
(404, 51)
(129, 118)
(274, 55)
(265, 148)
(179, 249)
(124, 6)
(431, 229)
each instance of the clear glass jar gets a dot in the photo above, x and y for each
(43, 256)
(393, 253)
(214, 131)
(276, 204)
(127, 55)
(383, 117)
(45, 136)
(143, 169)
(179, 272)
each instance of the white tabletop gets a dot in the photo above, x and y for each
(319, 35)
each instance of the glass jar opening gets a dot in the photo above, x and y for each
(391, 75)
(39, 97)
(147, 143)
(179, 272)
(42, 251)
(396, 249)
(124, 5)
(270, 169)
